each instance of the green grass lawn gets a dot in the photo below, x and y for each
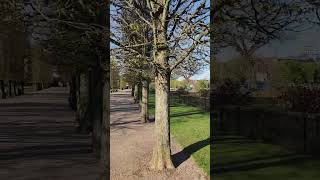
(238, 158)
(190, 127)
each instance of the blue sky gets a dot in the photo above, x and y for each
(205, 74)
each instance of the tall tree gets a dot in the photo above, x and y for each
(179, 28)
(249, 25)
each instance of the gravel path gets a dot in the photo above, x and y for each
(38, 139)
(132, 142)
(38, 142)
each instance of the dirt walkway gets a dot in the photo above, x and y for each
(38, 139)
(132, 142)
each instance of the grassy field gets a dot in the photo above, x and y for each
(190, 127)
(238, 158)
(235, 158)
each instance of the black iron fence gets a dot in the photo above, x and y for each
(193, 99)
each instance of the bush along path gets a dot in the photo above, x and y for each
(131, 146)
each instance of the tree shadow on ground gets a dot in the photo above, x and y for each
(31, 104)
(185, 154)
(46, 150)
(124, 123)
(258, 163)
(151, 119)
(245, 162)
(124, 109)
(186, 114)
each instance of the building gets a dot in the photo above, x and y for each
(269, 74)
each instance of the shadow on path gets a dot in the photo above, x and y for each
(39, 130)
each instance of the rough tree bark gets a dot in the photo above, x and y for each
(161, 157)
(144, 101)
(96, 106)
(104, 20)
(105, 127)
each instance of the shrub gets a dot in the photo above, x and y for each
(302, 98)
(182, 90)
(204, 92)
(230, 93)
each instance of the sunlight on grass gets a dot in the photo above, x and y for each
(305, 170)
(238, 158)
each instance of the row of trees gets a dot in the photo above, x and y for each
(10, 61)
(152, 39)
(19, 61)
(74, 35)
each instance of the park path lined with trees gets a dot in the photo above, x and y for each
(132, 142)
(38, 139)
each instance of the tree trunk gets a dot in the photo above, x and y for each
(10, 88)
(83, 106)
(132, 90)
(73, 93)
(144, 102)
(3, 91)
(34, 86)
(22, 87)
(105, 130)
(161, 157)
(39, 86)
(104, 20)
(252, 78)
(140, 95)
(19, 88)
(212, 76)
(96, 107)
(15, 90)
(76, 83)
(136, 93)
